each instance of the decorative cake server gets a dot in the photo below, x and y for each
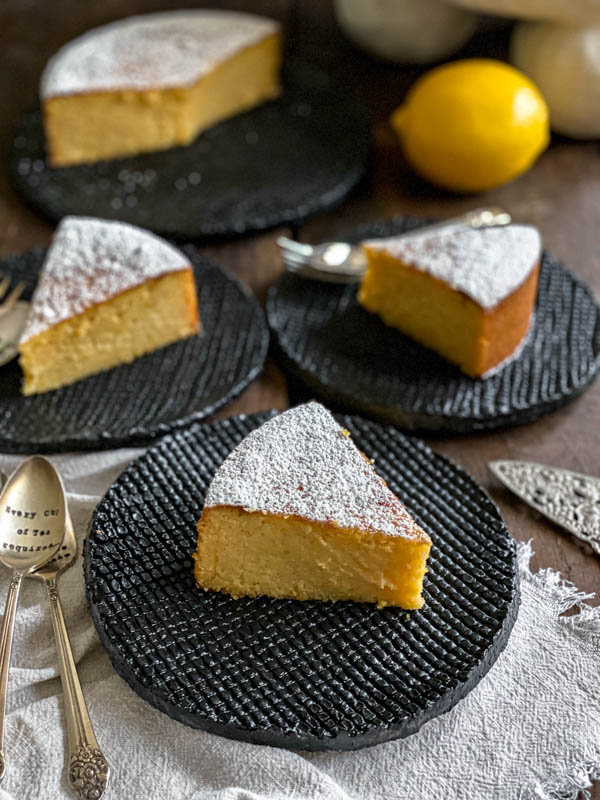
(570, 499)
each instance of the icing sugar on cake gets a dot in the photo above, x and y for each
(303, 463)
(153, 51)
(91, 260)
(487, 264)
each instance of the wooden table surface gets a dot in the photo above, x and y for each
(559, 195)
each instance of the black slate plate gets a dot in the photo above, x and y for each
(347, 356)
(309, 675)
(274, 165)
(158, 393)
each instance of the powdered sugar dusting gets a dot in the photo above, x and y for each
(487, 264)
(303, 463)
(151, 51)
(90, 261)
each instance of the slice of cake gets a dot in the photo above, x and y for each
(107, 293)
(296, 510)
(466, 293)
(155, 81)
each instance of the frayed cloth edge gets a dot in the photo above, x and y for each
(574, 785)
(567, 595)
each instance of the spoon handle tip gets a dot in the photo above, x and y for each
(88, 769)
(88, 772)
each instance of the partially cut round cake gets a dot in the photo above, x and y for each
(466, 293)
(155, 81)
(107, 293)
(297, 511)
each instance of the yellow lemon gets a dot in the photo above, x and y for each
(471, 125)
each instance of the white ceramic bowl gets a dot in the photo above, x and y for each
(406, 31)
(564, 62)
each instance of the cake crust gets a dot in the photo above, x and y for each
(92, 260)
(151, 51)
(302, 463)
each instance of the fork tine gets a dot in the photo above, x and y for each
(294, 263)
(305, 270)
(297, 263)
(4, 284)
(292, 247)
(294, 258)
(12, 298)
(300, 268)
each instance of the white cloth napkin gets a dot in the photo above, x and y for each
(531, 729)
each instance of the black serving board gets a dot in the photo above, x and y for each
(308, 675)
(276, 164)
(135, 403)
(350, 358)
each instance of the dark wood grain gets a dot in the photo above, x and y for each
(559, 195)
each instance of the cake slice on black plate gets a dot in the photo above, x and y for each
(107, 293)
(155, 81)
(468, 294)
(297, 511)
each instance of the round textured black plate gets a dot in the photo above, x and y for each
(157, 393)
(307, 675)
(276, 164)
(347, 356)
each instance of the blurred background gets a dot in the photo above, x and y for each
(377, 49)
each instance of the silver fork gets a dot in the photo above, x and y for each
(12, 317)
(9, 302)
(341, 262)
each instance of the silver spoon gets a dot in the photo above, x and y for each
(88, 769)
(32, 526)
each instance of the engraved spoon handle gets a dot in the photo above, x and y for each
(88, 769)
(6, 638)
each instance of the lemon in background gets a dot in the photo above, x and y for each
(471, 125)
